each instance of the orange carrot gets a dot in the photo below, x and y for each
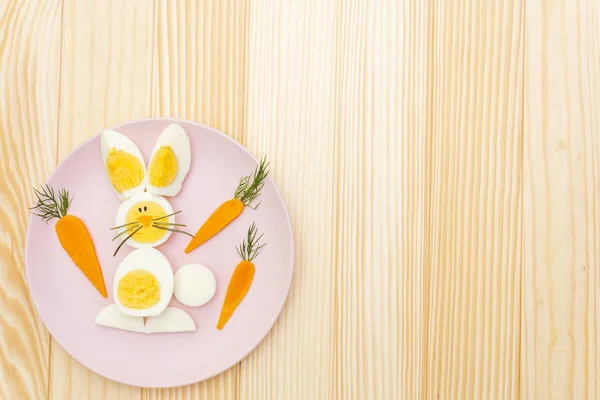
(219, 219)
(242, 276)
(72, 233)
(247, 191)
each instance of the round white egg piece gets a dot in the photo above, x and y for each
(169, 162)
(144, 216)
(143, 283)
(195, 285)
(123, 163)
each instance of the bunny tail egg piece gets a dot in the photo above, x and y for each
(143, 283)
(123, 163)
(169, 162)
(144, 216)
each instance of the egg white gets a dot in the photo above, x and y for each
(144, 196)
(171, 320)
(110, 139)
(177, 139)
(195, 285)
(155, 263)
(111, 317)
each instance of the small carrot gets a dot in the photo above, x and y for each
(72, 233)
(242, 276)
(247, 191)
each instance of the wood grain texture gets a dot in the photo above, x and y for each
(29, 70)
(561, 277)
(291, 105)
(474, 222)
(439, 160)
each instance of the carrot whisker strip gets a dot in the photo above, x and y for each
(126, 230)
(168, 224)
(172, 230)
(167, 216)
(126, 239)
(121, 226)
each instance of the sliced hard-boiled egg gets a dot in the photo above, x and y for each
(147, 218)
(124, 164)
(169, 162)
(195, 285)
(171, 320)
(143, 283)
(111, 317)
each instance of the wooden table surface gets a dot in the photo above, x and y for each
(440, 160)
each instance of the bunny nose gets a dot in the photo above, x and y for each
(145, 220)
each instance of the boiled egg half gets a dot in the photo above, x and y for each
(146, 219)
(124, 164)
(143, 283)
(169, 162)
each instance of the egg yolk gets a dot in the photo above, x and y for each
(138, 289)
(144, 213)
(124, 170)
(163, 167)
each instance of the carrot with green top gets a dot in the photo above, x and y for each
(242, 277)
(71, 232)
(246, 193)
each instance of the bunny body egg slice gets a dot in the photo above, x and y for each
(143, 283)
(170, 161)
(124, 164)
(146, 215)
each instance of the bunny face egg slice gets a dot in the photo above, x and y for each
(124, 164)
(144, 217)
(143, 283)
(169, 162)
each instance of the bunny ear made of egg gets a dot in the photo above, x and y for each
(169, 162)
(123, 164)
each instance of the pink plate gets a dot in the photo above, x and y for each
(68, 303)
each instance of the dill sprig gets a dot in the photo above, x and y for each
(50, 204)
(251, 246)
(250, 186)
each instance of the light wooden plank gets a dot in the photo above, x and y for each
(561, 309)
(379, 138)
(342, 135)
(106, 78)
(29, 70)
(291, 105)
(474, 200)
(406, 88)
(201, 68)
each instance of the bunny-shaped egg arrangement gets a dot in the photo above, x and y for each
(143, 283)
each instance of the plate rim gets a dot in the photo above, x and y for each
(288, 221)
